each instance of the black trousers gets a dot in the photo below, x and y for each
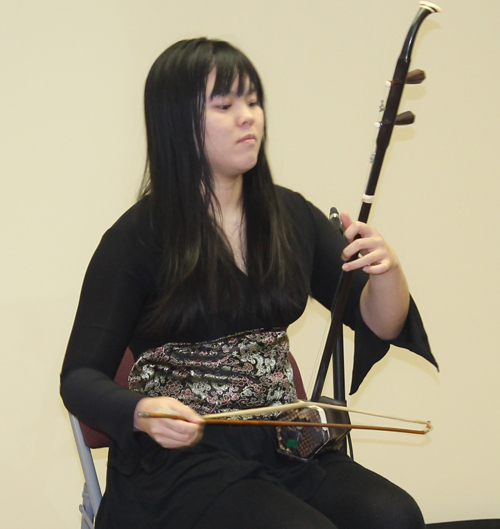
(350, 497)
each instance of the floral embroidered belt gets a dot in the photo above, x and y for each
(240, 371)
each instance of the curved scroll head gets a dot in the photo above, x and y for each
(431, 7)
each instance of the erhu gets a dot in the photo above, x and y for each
(289, 439)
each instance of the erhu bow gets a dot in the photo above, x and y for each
(234, 417)
(299, 439)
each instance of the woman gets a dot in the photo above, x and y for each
(200, 279)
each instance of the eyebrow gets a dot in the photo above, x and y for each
(251, 91)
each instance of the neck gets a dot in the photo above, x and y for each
(229, 195)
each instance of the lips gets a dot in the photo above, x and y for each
(248, 138)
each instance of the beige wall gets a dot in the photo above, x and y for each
(72, 155)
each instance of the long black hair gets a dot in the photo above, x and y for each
(198, 275)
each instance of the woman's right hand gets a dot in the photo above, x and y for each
(169, 433)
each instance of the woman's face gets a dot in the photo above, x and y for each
(234, 126)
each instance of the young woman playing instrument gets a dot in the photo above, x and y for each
(200, 278)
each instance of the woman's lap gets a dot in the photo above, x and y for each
(353, 496)
(258, 504)
(350, 497)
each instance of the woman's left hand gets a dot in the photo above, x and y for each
(385, 298)
(377, 257)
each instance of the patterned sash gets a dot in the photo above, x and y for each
(240, 371)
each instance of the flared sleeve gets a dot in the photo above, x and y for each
(370, 349)
(328, 244)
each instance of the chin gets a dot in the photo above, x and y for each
(250, 165)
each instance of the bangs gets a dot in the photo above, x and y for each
(229, 64)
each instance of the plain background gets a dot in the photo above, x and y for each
(73, 152)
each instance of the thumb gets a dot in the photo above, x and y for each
(345, 219)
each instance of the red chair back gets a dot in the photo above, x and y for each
(94, 438)
(297, 378)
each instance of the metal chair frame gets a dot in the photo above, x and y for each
(91, 495)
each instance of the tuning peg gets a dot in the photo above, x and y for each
(415, 77)
(406, 118)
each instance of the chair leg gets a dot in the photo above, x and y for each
(86, 510)
(91, 488)
(91, 496)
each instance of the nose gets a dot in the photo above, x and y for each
(246, 116)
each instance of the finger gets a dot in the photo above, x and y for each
(175, 433)
(178, 429)
(366, 257)
(187, 439)
(377, 268)
(345, 219)
(359, 229)
(351, 228)
(362, 245)
(375, 263)
(361, 262)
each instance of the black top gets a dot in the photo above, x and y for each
(119, 283)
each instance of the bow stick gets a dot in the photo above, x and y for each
(226, 418)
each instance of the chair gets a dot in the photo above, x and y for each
(86, 439)
(91, 495)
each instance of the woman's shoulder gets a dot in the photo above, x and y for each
(129, 244)
(301, 209)
(289, 195)
(134, 227)
(134, 218)
(292, 200)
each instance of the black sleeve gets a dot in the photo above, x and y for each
(369, 348)
(113, 295)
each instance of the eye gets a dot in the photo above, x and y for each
(221, 102)
(253, 100)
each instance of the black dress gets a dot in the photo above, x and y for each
(148, 486)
